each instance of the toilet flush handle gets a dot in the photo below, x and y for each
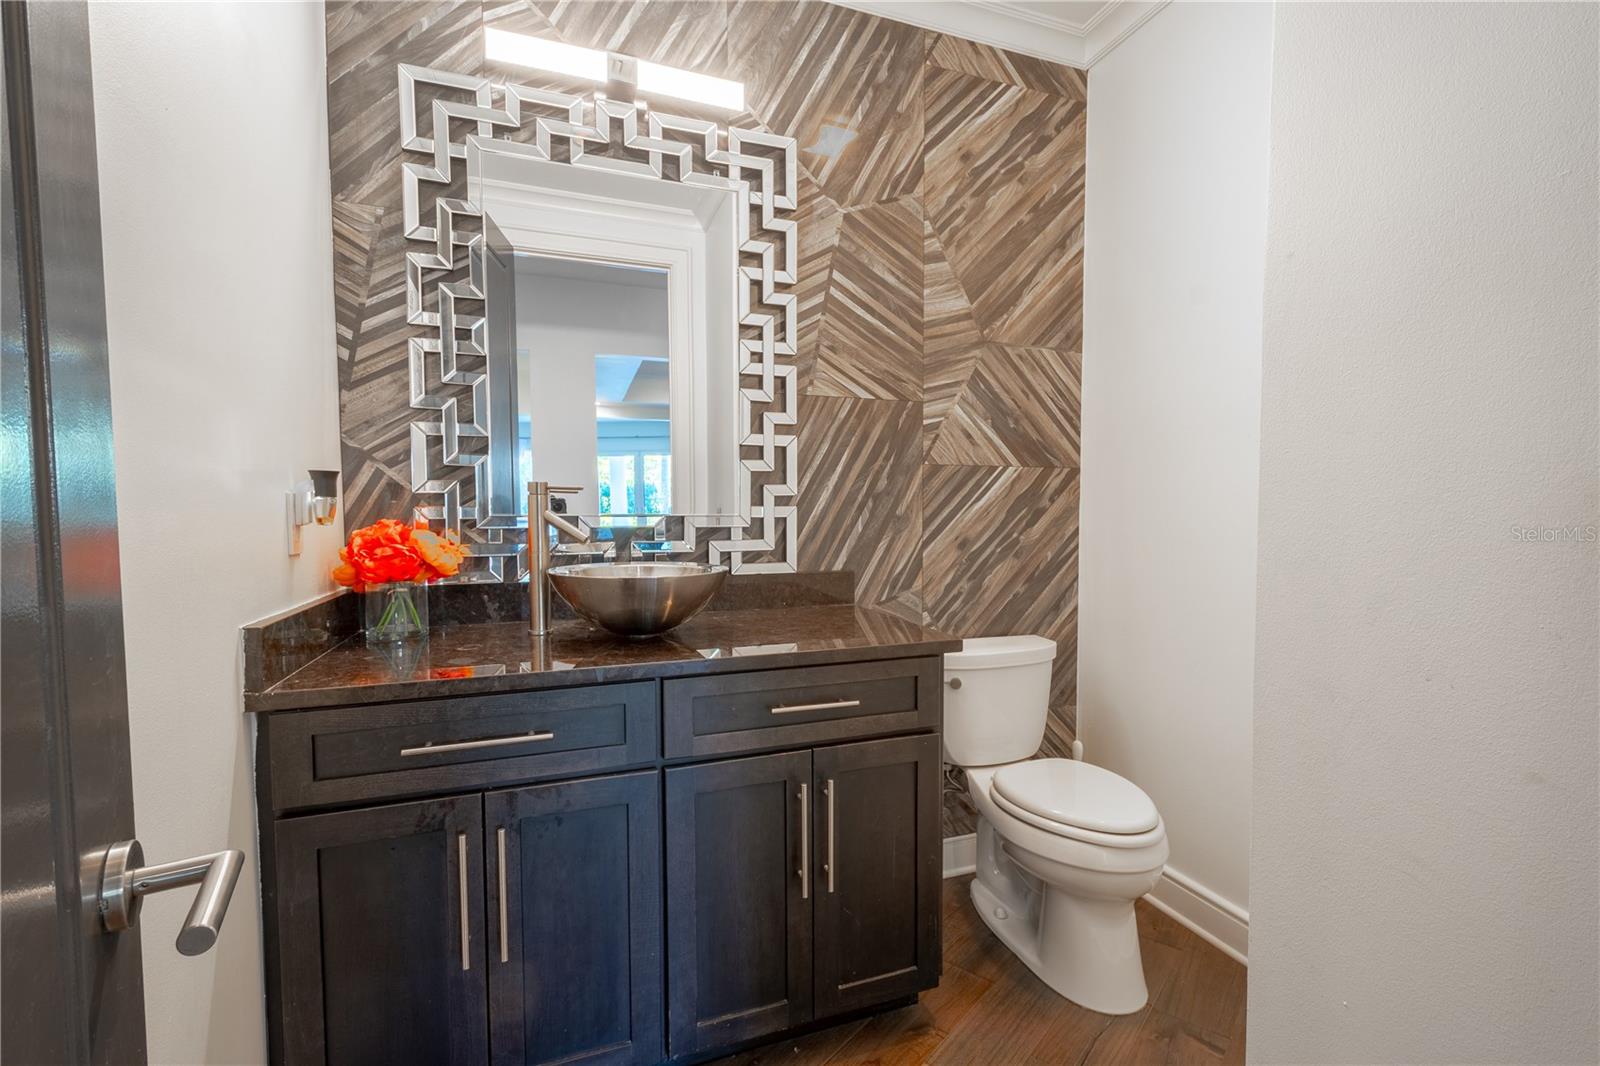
(954, 682)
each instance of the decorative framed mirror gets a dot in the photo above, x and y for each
(603, 297)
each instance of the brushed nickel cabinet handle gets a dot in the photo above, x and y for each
(461, 894)
(500, 864)
(831, 705)
(805, 841)
(469, 745)
(829, 869)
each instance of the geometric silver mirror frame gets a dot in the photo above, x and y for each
(447, 459)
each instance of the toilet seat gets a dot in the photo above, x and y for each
(1077, 800)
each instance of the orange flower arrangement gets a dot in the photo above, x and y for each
(389, 551)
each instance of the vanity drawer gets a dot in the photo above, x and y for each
(359, 754)
(720, 714)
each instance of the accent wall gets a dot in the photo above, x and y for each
(940, 286)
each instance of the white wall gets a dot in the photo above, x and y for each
(1174, 242)
(212, 130)
(1424, 872)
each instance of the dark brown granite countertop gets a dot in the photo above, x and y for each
(484, 657)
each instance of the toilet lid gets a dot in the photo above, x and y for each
(1080, 794)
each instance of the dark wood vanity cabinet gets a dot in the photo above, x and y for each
(879, 863)
(739, 914)
(575, 921)
(380, 934)
(703, 892)
(801, 885)
(526, 922)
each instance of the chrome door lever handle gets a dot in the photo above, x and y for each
(125, 881)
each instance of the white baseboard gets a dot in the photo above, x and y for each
(960, 855)
(1219, 921)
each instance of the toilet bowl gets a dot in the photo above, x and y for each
(1064, 847)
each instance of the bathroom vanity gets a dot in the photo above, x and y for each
(570, 846)
(578, 847)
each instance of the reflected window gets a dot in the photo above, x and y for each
(656, 482)
(634, 465)
(616, 481)
(633, 434)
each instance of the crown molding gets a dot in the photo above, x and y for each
(1035, 17)
(1099, 16)
(1016, 29)
(1114, 24)
(973, 20)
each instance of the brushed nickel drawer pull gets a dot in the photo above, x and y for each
(805, 841)
(831, 705)
(469, 745)
(461, 894)
(833, 862)
(500, 864)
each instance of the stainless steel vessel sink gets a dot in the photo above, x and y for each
(637, 599)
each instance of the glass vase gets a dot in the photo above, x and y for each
(395, 612)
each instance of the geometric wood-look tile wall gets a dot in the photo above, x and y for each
(941, 285)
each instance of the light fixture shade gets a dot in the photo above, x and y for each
(324, 482)
(687, 85)
(503, 46)
(324, 496)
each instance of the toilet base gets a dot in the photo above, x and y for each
(1085, 949)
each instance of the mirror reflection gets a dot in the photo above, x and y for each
(592, 360)
(612, 337)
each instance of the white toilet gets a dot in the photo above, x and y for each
(1064, 848)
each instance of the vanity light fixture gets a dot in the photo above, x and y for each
(687, 85)
(520, 50)
(315, 499)
(503, 46)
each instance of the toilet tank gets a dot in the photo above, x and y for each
(996, 697)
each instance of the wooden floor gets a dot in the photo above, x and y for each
(989, 1008)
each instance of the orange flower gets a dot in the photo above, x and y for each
(390, 551)
(438, 551)
(345, 573)
(382, 553)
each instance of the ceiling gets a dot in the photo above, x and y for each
(1074, 32)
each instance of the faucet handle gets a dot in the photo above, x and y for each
(565, 490)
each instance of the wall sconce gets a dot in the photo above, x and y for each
(315, 499)
(590, 64)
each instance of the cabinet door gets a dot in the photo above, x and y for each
(381, 935)
(878, 860)
(575, 926)
(739, 888)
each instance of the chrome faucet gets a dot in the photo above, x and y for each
(541, 519)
